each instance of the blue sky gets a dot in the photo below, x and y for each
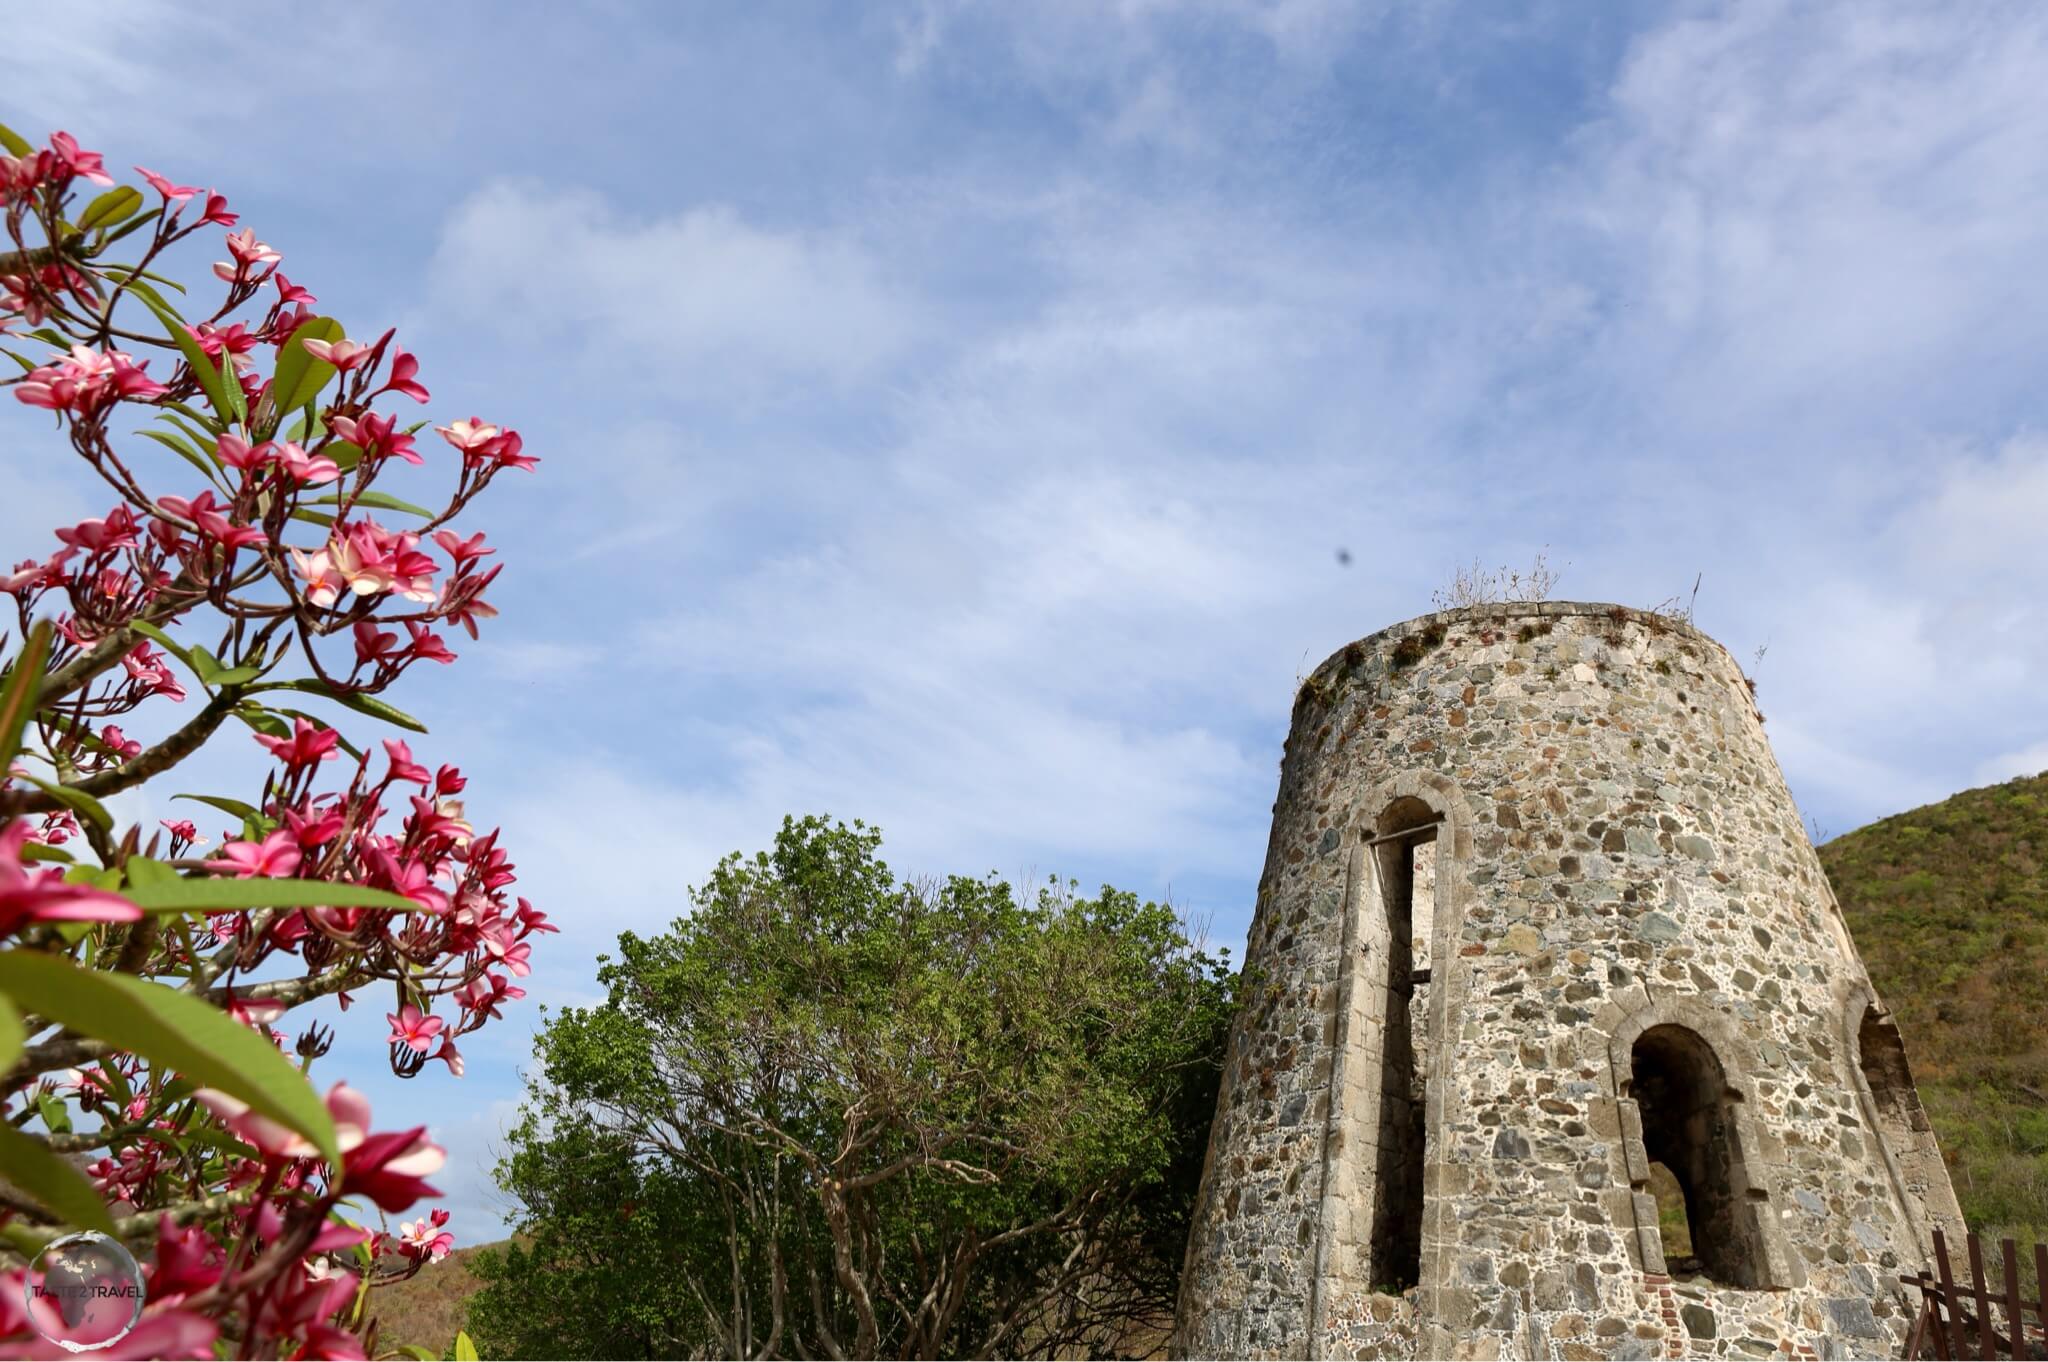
(950, 413)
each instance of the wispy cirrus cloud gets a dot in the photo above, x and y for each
(706, 299)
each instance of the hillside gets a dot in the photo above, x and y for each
(1949, 907)
(427, 1311)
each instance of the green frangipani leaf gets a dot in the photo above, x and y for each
(52, 1180)
(382, 501)
(24, 686)
(116, 205)
(361, 704)
(197, 460)
(300, 376)
(212, 894)
(78, 801)
(228, 408)
(129, 275)
(224, 804)
(132, 226)
(13, 1036)
(172, 1029)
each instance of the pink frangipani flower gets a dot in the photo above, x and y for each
(307, 744)
(349, 1109)
(276, 856)
(78, 161)
(342, 354)
(468, 436)
(307, 469)
(173, 193)
(405, 378)
(450, 1056)
(247, 251)
(185, 830)
(42, 896)
(411, 1027)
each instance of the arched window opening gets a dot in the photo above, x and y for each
(1883, 1057)
(1901, 1126)
(1688, 1121)
(1403, 849)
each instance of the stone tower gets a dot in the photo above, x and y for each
(1540, 943)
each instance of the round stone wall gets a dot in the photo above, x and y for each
(1537, 912)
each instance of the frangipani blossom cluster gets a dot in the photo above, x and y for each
(252, 561)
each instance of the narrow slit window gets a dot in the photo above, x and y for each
(1405, 852)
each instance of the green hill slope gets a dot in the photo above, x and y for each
(1949, 907)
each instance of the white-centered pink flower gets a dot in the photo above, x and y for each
(324, 582)
(247, 251)
(342, 354)
(468, 436)
(424, 1239)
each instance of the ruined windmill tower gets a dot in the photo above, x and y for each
(1540, 937)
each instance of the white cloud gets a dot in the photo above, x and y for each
(536, 660)
(475, 1141)
(702, 301)
(1812, 204)
(2031, 760)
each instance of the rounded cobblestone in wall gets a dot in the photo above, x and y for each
(1454, 1067)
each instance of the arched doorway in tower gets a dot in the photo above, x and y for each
(1689, 1129)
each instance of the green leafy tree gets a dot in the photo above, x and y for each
(828, 1114)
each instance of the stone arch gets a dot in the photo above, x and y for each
(1356, 1242)
(1684, 1060)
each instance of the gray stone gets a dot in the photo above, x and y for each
(1699, 1320)
(1658, 927)
(1852, 1316)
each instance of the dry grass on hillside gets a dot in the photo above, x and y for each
(427, 1311)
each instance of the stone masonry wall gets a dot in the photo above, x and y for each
(1617, 854)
